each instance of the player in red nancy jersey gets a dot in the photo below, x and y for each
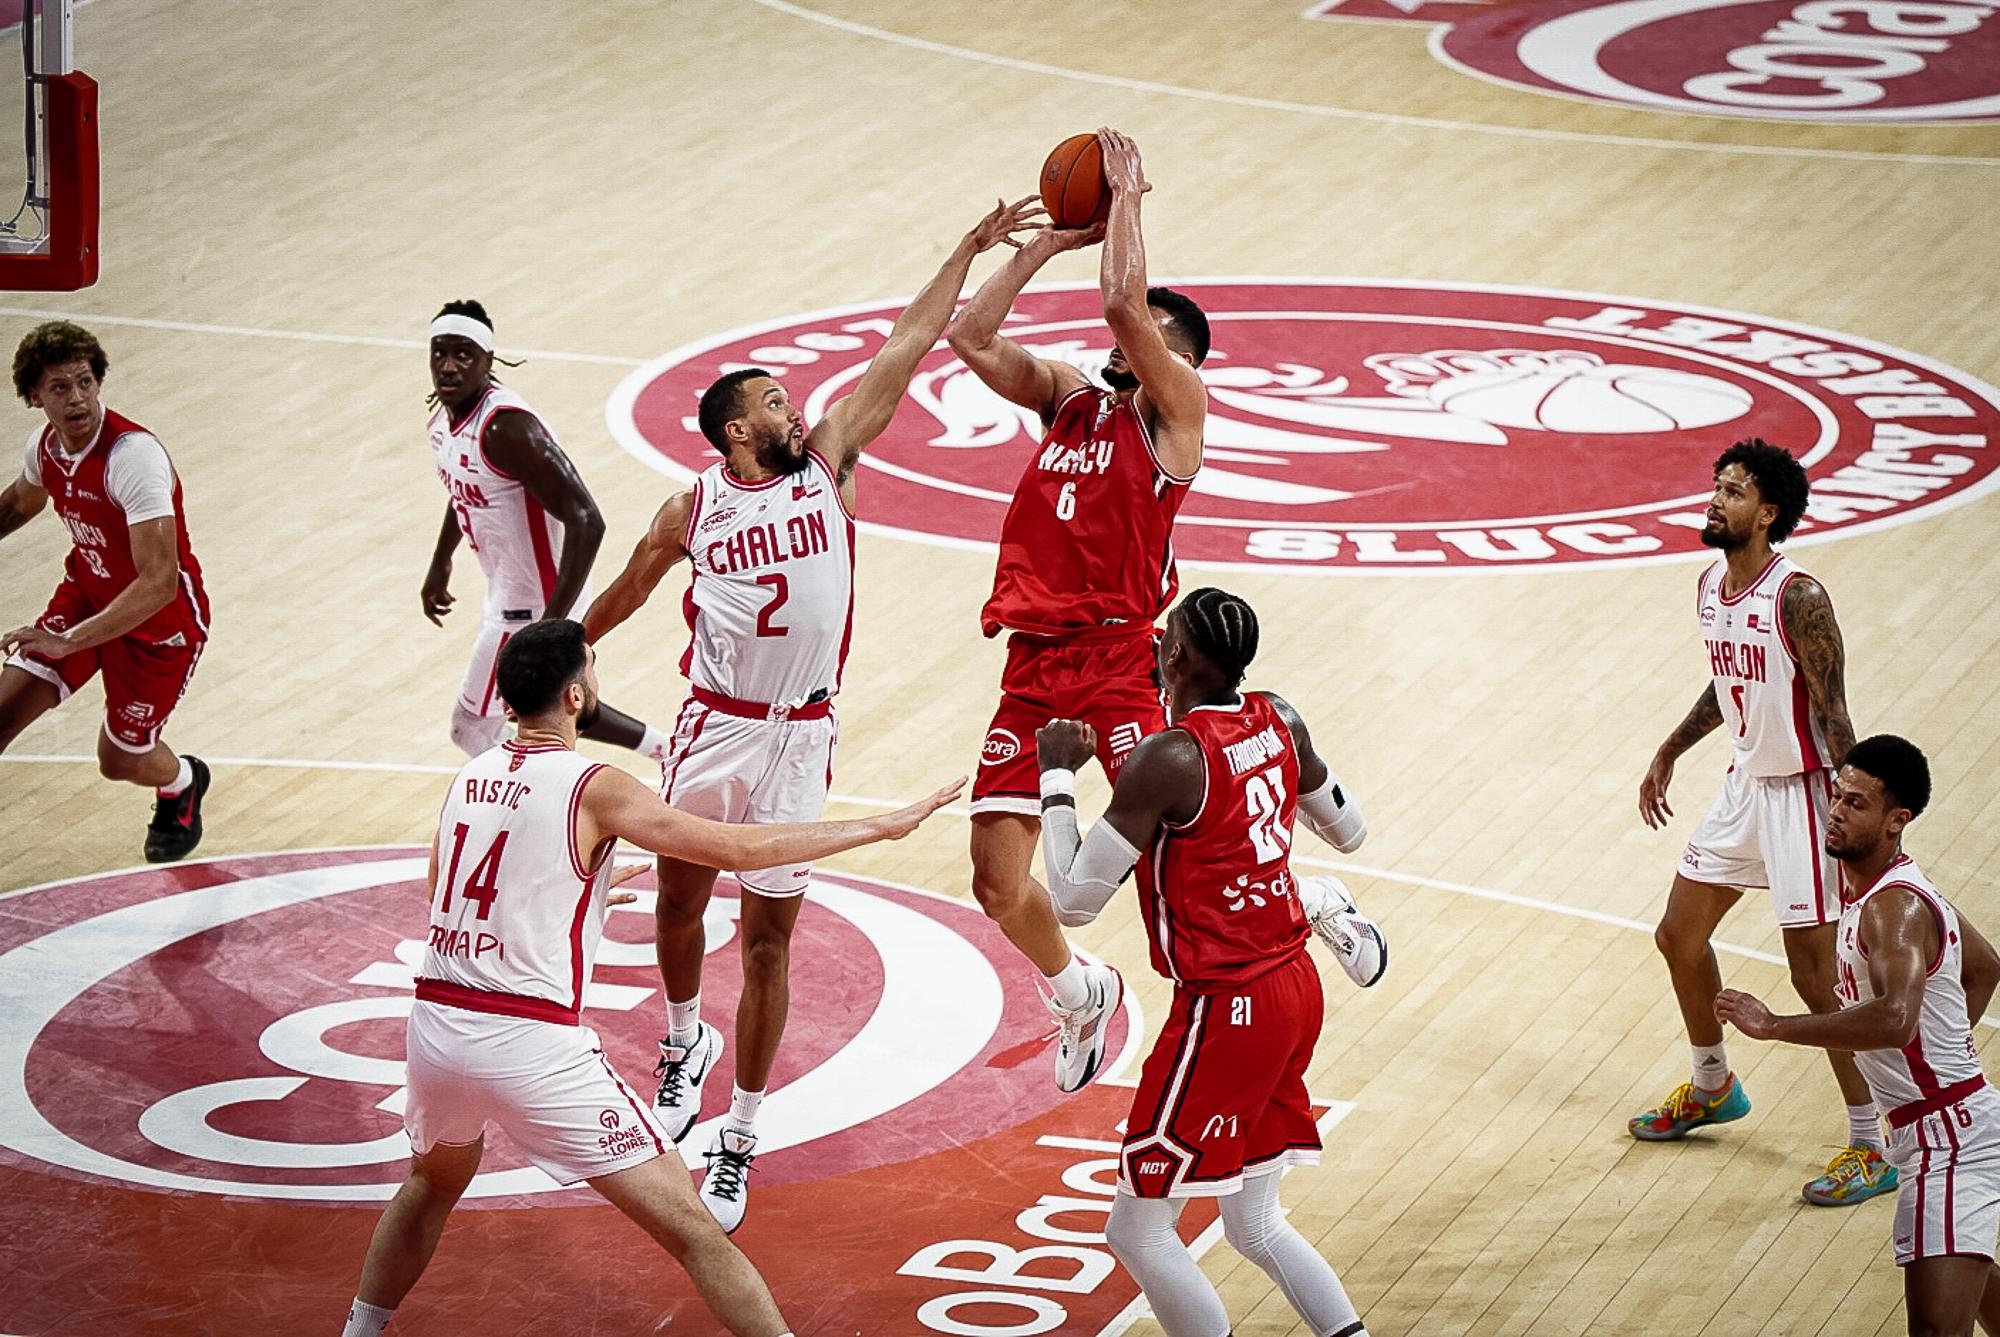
(1205, 810)
(1086, 566)
(131, 601)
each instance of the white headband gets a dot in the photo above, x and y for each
(465, 327)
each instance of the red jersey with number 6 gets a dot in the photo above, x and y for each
(100, 560)
(519, 907)
(1088, 539)
(1220, 904)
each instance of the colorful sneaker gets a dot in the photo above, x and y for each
(1355, 938)
(725, 1189)
(176, 826)
(1081, 1034)
(1855, 1175)
(1683, 1112)
(681, 1070)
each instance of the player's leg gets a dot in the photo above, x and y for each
(691, 1047)
(660, 1197)
(407, 1234)
(142, 685)
(1256, 1227)
(1989, 1301)
(615, 727)
(1944, 1295)
(766, 925)
(25, 696)
(1142, 1235)
(478, 716)
(1003, 850)
(1712, 1094)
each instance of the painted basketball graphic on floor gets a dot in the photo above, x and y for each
(1374, 426)
(1790, 60)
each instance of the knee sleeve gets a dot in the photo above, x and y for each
(475, 734)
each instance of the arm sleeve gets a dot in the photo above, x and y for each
(31, 468)
(1331, 813)
(1083, 875)
(140, 479)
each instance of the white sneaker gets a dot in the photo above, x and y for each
(1355, 939)
(682, 1070)
(725, 1189)
(1080, 1041)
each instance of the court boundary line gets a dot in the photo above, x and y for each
(1423, 881)
(1326, 112)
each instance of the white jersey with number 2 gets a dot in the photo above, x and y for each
(519, 909)
(1759, 682)
(771, 609)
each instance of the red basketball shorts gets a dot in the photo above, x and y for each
(1113, 686)
(143, 680)
(1223, 1093)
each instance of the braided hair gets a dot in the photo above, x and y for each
(467, 306)
(1223, 628)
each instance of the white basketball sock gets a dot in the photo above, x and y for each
(1071, 985)
(653, 744)
(366, 1320)
(1864, 1126)
(1253, 1223)
(684, 1021)
(182, 779)
(1711, 1069)
(1140, 1232)
(475, 734)
(743, 1109)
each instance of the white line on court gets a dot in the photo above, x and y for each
(1351, 114)
(300, 336)
(959, 810)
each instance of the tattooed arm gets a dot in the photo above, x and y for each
(1702, 720)
(1805, 619)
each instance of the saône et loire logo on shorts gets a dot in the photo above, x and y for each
(1376, 426)
(202, 1086)
(1854, 61)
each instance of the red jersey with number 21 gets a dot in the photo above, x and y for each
(1217, 892)
(1088, 539)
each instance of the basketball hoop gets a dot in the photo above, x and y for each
(50, 244)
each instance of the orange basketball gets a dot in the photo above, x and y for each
(1073, 186)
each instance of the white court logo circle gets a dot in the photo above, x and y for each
(234, 1027)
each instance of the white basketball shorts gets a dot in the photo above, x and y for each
(547, 1086)
(1948, 1172)
(730, 769)
(1770, 832)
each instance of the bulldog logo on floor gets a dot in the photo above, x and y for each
(1378, 426)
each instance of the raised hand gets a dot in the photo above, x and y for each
(1008, 223)
(1065, 745)
(1122, 168)
(901, 822)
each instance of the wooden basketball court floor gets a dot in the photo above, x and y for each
(291, 189)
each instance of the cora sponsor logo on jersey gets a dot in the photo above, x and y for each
(1371, 426)
(243, 1019)
(1793, 60)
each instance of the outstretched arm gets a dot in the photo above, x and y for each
(617, 805)
(1010, 370)
(1160, 781)
(1806, 621)
(1902, 937)
(1325, 805)
(856, 420)
(664, 543)
(521, 447)
(20, 503)
(156, 555)
(1703, 719)
(1171, 385)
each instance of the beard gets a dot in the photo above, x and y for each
(778, 455)
(1718, 536)
(587, 717)
(1120, 380)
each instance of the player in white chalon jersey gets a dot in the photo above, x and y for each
(520, 877)
(518, 503)
(1777, 685)
(1913, 976)
(769, 533)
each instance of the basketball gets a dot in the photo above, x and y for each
(1073, 186)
